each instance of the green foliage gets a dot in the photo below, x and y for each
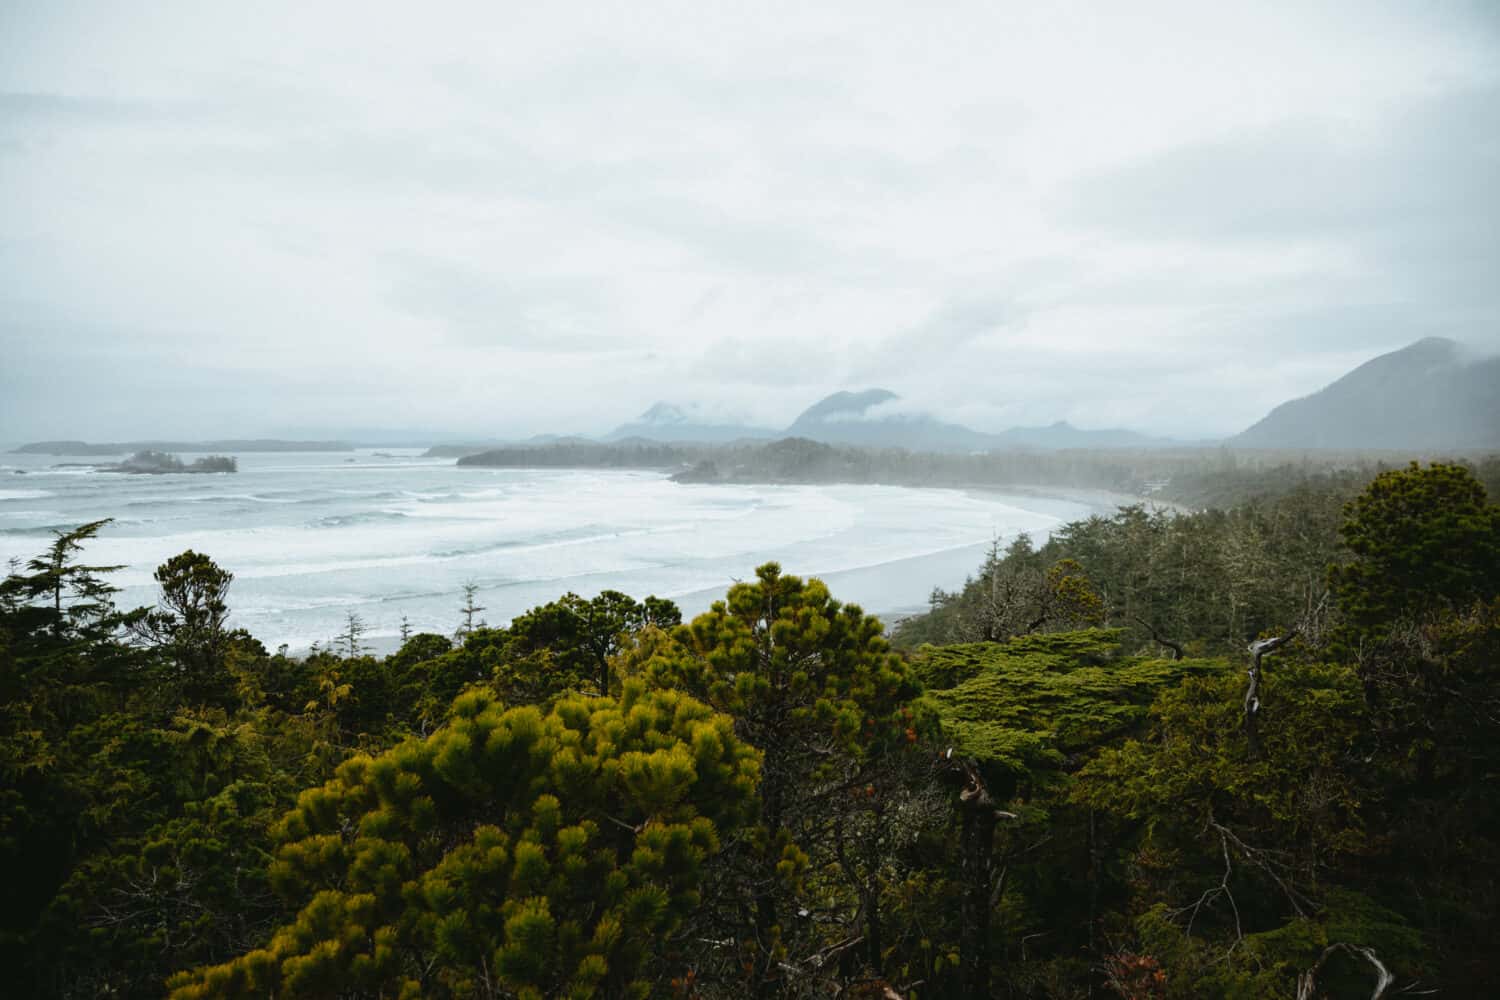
(540, 854)
(1268, 963)
(1027, 704)
(1207, 582)
(574, 639)
(814, 686)
(764, 802)
(58, 603)
(1196, 765)
(1422, 540)
(1243, 860)
(562, 646)
(190, 626)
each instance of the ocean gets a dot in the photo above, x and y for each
(312, 538)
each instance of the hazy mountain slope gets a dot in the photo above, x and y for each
(846, 418)
(855, 418)
(1064, 435)
(1426, 395)
(669, 422)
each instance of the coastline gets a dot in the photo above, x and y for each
(1105, 500)
(311, 539)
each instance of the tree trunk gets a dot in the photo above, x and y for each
(766, 972)
(977, 840)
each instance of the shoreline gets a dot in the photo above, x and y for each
(1089, 495)
(919, 546)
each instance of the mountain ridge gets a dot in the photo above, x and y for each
(664, 421)
(845, 417)
(1424, 395)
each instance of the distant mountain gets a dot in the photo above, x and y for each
(1426, 395)
(842, 406)
(855, 418)
(866, 419)
(459, 449)
(669, 422)
(1064, 435)
(846, 418)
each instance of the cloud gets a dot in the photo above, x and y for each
(24, 108)
(482, 307)
(1173, 219)
(1431, 162)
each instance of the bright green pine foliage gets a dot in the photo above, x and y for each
(783, 645)
(813, 684)
(1025, 704)
(511, 853)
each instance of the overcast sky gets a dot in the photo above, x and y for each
(506, 218)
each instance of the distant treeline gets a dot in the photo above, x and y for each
(131, 447)
(634, 454)
(1195, 477)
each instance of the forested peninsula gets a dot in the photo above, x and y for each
(1198, 477)
(1249, 751)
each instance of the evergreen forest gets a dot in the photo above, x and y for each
(1250, 750)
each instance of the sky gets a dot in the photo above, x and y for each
(501, 219)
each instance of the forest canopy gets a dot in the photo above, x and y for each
(1246, 751)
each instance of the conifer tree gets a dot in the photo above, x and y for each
(513, 853)
(469, 610)
(815, 687)
(1422, 540)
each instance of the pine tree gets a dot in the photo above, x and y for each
(511, 853)
(60, 597)
(1422, 540)
(190, 624)
(469, 610)
(814, 686)
(351, 639)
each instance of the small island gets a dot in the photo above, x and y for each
(155, 463)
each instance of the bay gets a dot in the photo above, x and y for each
(312, 538)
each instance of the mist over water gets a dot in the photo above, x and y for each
(313, 537)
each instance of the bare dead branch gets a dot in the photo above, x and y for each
(1158, 638)
(1214, 892)
(1258, 651)
(1262, 860)
(1307, 982)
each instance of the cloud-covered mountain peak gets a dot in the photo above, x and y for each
(842, 406)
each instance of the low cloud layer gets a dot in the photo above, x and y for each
(503, 221)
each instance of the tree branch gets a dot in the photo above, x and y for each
(1158, 638)
(1259, 650)
(1307, 982)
